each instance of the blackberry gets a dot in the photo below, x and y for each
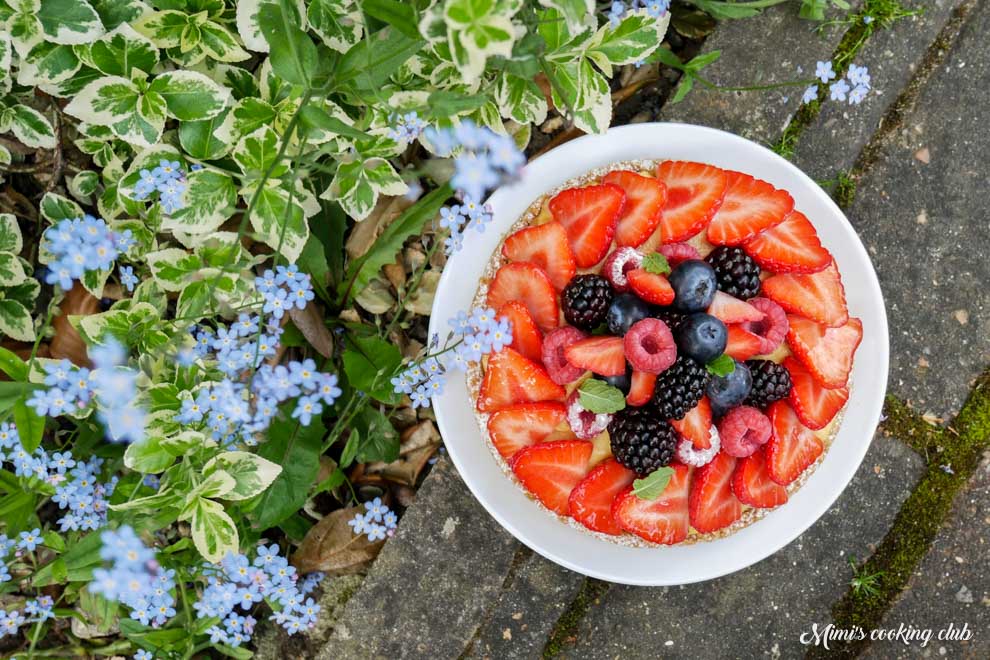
(737, 274)
(586, 301)
(670, 316)
(642, 440)
(771, 382)
(680, 388)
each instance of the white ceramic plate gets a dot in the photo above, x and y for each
(581, 551)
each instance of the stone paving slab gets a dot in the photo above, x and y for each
(833, 142)
(429, 588)
(769, 48)
(952, 584)
(525, 614)
(762, 610)
(922, 212)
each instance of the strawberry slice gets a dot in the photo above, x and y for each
(712, 505)
(645, 198)
(551, 470)
(663, 520)
(530, 286)
(641, 388)
(790, 247)
(742, 344)
(730, 310)
(526, 337)
(815, 405)
(792, 446)
(750, 206)
(589, 216)
(650, 287)
(591, 500)
(523, 425)
(827, 352)
(817, 296)
(602, 355)
(694, 194)
(545, 246)
(510, 378)
(752, 484)
(696, 425)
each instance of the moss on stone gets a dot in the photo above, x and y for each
(565, 630)
(958, 450)
(845, 189)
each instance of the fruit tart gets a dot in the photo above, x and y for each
(680, 356)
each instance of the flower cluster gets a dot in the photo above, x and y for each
(484, 161)
(239, 583)
(168, 180)
(480, 333)
(617, 10)
(113, 385)
(38, 610)
(284, 289)
(80, 245)
(469, 214)
(134, 578)
(377, 521)
(407, 127)
(853, 88)
(84, 497)
(242, 345)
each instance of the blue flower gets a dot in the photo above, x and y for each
(858, 93)
(824, 71)
(30, 540)
(615, 13)
(810, 94)
(858, 75)
(375, 509)
(838, 90)
(79, 245)
(657, 8)
(143, 655)
(128, 278)
(306, 408)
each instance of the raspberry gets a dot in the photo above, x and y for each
(771, 382)
(743, 430)
(585, 424)
(738, 275)
(585, 301)
(687, 454)
(618, 264)
(649, 346)
(772, 329)
(560, 370)
(678, 252)
(641, 440)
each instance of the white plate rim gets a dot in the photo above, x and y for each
(583, 552)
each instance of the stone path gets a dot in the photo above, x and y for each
(453, 584)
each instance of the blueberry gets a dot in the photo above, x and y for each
(623, 382)
(701, 337)
(694, 284)
(625, 310)
(726, 392)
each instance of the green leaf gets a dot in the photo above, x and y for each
(574, 12)
(633, 39)
(11, 270)
(190, 96)
(279, 222)
(122, 51)
(368, 65)
(32, 128)
(148, 456)
(213, 531)
(10, 234)
(317, 118)
(369, 363)
(199, 140)
(251, 474)
(16, 321)
(379, 440)
(444, 103)
(210, 198)
(48, 64)
(77, 563)
(397, 14)
(297, 449)
(13, 366)
(653, 485)
(656, 263)
(521, 99)
(220, 44)
(338, 22)
(30, 426)
(361, 271)
(723, 365)
(357, 184)
(69, 21)
(293, 54)
(598, 396)
(83, 184)
(54, 207)
(173, 268)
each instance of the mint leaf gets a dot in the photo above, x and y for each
(600, 397)
(723, 365)
(652, 485)
(656, 263)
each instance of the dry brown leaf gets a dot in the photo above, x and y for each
(332, 548)
(67, 342)
(309, 320)
(376, 297)
(421, 302)
(417, 444)
(364, 233)
(396, 274)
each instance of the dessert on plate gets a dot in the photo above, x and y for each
(680, 355)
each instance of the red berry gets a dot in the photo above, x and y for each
(741, 344)
(546, 246)
(649, 346)
(645, 198)
(749, 207)
(510, 378)
(771, 329)
(591, 500)
(641, 388)
(712, 504)
(589, 216)
(694, 194)
(663, 520)
(678, 252)
(530, 286)
(601, 355)
(555, 343)
(551, 470)
(523, 425)
(790, 247)
(584, 423)
(651, 287)
(814, 404)
(793, 446)
(743, 430)
(752, 484)
(696, 426)
(731, 310)
(827, 352)
(818, 296)
(619, 263)
(526, 337)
